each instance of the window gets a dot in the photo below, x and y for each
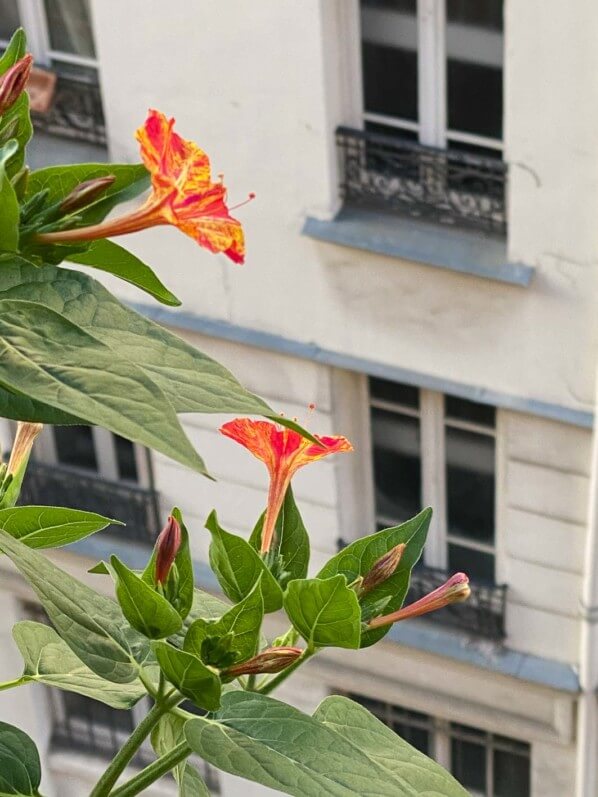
(433, 69)
(430, 449)
(486, 764)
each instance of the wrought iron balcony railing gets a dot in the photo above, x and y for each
(60, 485)
(482, 614)
(75, 112)
(445, 186)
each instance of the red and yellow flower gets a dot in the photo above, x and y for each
(182, 195)
(283, 451)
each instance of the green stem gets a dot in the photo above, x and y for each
(118, 764)
(275, 682)
(11, 684)
(250, 685)
(154, 771)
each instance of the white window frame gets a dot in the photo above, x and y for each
(433, 422)
(432, 85)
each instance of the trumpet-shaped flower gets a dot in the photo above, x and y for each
(283, 451)
(182, 195)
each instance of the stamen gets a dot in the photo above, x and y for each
(250, 197)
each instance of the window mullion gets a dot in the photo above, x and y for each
(442, 744)
(434, 475)
(105, 449)
(33, 18)
(431, 27)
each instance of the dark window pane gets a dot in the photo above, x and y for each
(397, 465)
(125, 458)
(464, 410)
(9, 18)
(470, 484)
(477, 564)
(69, 25)
(389, 52)
(396, 392)
(75, 446)
(511, 775)
(418, 737)
(468, 764)
(474, 44)
(96, 713)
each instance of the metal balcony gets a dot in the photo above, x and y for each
(59, 485)
(75, 112)
(444, 186)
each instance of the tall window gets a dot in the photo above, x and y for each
(437, 450)
(433, 69)
(486, 764)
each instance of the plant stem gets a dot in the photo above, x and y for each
(250, 685)
(13, 683)
(275, 682)
(104, 786)
(154, 771)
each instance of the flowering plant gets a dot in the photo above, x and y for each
(70, 353)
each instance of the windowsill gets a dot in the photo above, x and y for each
(421, 242)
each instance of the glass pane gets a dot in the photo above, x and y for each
(96, 713)
(396, 392)
(125, 458)
(474, 43)
(397, 465)
(389, 53)
(470, 484)
(511, 775)
(69, 26)
(477, 564)
(9, 18)
(463, 410)
(418, 737)
(75, 446)
(468, 765)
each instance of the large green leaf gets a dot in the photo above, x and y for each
(59, 363)
(192, 381)
(15, 50)
(266, 741)
(412, 772)
(9, 207)
(167, 734)
(192, 678)
(49, 660)
(324, 611)
(51, 526)
(238, 566)
(17, 117)
(112, 258)
(291, 539)
(206, 607)
(358, 558)
(92, 625)
(20, 769)
(145, 609)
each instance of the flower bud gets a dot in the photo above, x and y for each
(382, 569)
(85, 193)
(268, 661)
(167, 547)
(25, 437)
(13, 82)
(455, 590)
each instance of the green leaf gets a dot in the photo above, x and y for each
(145, 609)
(243, 621)
(22, 134)
(182, 600)
(192, 678)
(112, 258)
(167, 734)
(292, 539)
(9, 206)
(238, 566)
(15, 50)
(45, 355)
(20, 768)
(92, 625)
(324, 611)
(204, 606)
(411, 772)
(49, 660)
(358, 558)
(51, 526)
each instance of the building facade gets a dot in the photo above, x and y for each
(422, 265)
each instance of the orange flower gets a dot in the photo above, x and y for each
(182, 195)
(283, 451)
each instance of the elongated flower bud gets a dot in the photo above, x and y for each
(13, 82)
(85, 193)
(382, 569)
(268, 661)
(167, 545)
(455, 590)
(25, 437)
